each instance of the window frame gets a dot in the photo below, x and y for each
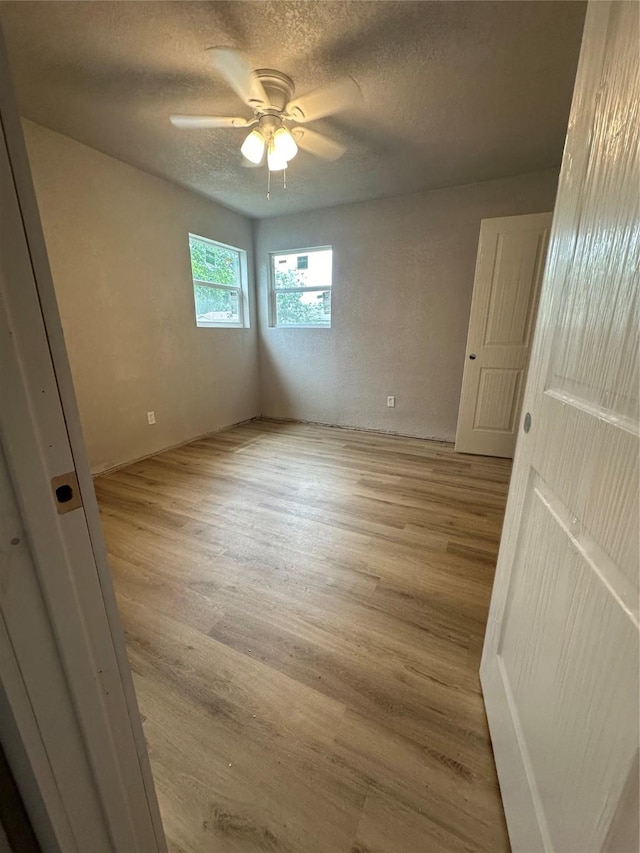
(241, 289)
(273, 290)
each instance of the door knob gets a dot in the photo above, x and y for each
(472, 356)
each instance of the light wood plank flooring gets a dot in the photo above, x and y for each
(304, 610)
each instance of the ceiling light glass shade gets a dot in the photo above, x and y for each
(275, 161)
(253, 147)
(285, 144)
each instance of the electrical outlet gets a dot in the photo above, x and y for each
(391, 402)
(151, 417)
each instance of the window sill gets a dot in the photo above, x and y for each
(303, 326)
(203, 325)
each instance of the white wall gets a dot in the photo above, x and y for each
(402, 283)
(117, 240)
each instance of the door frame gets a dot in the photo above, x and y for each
(65, 557)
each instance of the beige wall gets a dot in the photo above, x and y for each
(403, 277)
(118, 247)
(402, 283)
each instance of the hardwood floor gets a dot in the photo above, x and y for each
(304, 610)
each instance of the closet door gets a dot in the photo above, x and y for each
(509, 268)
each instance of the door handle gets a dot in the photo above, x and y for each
(472, 356)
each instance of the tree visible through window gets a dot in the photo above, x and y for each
(301, 287)
(217, 272)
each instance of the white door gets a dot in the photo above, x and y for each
(511, 256)
(560, 664)
(69, 722)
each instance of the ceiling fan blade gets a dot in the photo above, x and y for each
(326, 101)
(316, 143)
(187, 122)
(236, 69)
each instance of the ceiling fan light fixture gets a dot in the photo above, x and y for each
(253, 147)
(269, 93)
(275, 160)
(284, 144)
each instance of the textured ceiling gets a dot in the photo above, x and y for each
(454, 92)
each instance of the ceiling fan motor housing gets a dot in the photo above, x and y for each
(279, 89)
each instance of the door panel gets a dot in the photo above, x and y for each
(571, 700)
(519, 256)
(561, 657)
(498, 395)
(511, 256)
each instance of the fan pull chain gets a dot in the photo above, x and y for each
(284, 182)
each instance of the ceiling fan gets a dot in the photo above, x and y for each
(270, 93)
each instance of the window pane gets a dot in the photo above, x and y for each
(214, 263)
(303, 269)
(295, 309)
(216, 306)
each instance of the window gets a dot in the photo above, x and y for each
(219, 283)
(301, 287)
